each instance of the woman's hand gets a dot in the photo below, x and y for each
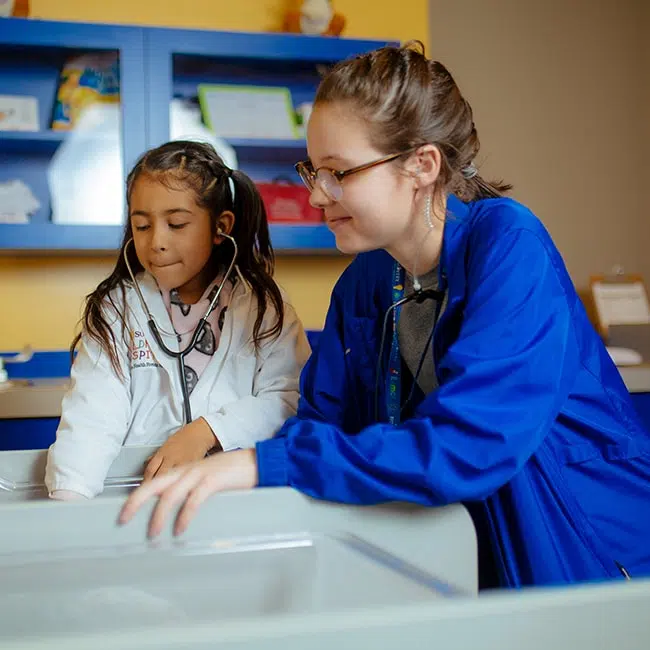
(189, 444)
(191, 485)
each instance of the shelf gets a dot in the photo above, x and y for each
(251, 143)
(268, 152)
(51, 237)
(34, 136)
(261, 46)
(31, 141)
(47, 238)
(302, 238)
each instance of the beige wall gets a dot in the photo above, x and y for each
(561, 96)
(644, 185)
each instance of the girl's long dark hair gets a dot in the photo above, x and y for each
(198, 167)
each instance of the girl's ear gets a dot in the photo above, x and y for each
(225, 224)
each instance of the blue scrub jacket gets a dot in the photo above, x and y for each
(531, 427)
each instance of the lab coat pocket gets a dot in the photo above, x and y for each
(610, 487)
(360, 344)
(238, 376)
(360, 358)
(156, 409)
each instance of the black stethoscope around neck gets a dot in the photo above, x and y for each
(418, 296)
(198, 330)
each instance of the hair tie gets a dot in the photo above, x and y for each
(469, 172)
(230, 175)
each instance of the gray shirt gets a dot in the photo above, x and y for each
(414, 329)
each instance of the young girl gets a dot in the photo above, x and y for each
(196, 237)
(488, 387)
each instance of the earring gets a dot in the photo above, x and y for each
(427, 213)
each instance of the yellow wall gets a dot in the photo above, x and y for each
(41, 297)
(365, 19)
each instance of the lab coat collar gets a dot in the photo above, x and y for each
(156, 307)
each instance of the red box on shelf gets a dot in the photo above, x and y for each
(288, 202)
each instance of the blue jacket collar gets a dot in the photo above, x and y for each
(452, 260)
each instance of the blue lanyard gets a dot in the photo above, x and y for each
(394, 379)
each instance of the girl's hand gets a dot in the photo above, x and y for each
(191, 485)
(189, 444)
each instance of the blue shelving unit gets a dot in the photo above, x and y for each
(156, 65)
(32, 53)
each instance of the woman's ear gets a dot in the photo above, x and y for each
(424, 165)
(225, 224)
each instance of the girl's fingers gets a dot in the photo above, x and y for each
(153, 466)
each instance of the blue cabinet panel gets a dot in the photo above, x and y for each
(33, 433)
(32, 54)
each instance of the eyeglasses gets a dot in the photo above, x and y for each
(329, 180)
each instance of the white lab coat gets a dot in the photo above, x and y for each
(243, 395)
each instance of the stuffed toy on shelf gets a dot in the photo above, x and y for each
(15, 8)
(313, 17)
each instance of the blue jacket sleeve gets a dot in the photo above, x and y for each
(322, 386)
(504, 381)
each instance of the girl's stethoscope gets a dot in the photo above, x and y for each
(156, 329)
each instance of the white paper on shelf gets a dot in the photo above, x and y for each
(17, 202)
(86, 176)
(18, 113)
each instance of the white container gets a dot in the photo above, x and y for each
(86, 177)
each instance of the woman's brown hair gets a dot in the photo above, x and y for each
(408, 100)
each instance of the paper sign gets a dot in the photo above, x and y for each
(621, 303)
(248, 111)
(18, 113)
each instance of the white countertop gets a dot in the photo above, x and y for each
(41, 398)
